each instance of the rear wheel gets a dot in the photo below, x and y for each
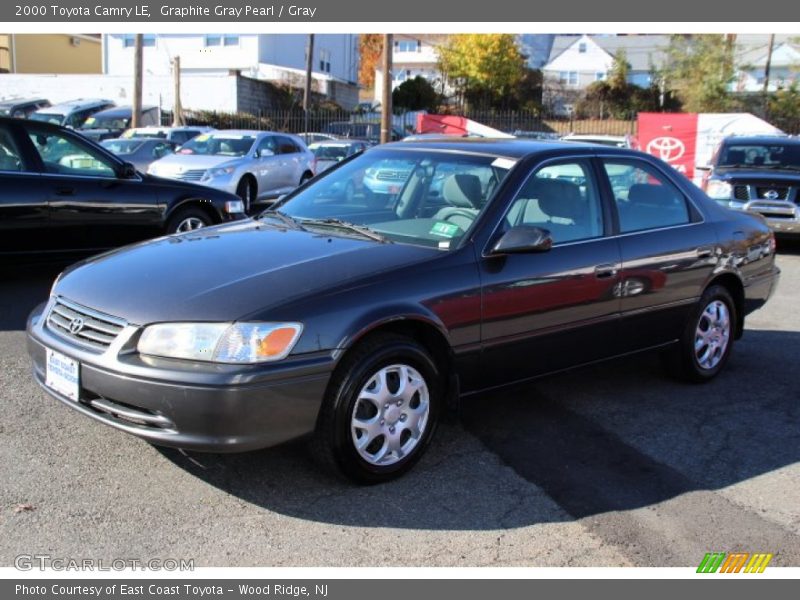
(188, 219)
(707, 340)
(381, 410)
(246, 190)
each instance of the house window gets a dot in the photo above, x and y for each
(325, 61)
(582, 47)
(600, 76)
(568, 77)
(221, 40)
(407, 46)
(148, 41)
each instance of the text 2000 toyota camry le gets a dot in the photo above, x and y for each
(357, 317)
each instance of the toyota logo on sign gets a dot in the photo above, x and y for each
(666, 148)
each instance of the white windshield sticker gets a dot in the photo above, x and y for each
(503, 163)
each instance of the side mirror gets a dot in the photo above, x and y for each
(128, 171)
(523, 239)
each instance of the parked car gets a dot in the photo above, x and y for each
(60, 192)
(312, 137)
(140, 152)
(362, 130)
(760, 175)
(178, 135)
(255, 165)
(22, 108)
(358, 323)
(112, 122)
(329, 153)
(73, 113)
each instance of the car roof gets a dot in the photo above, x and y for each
(18, 101)
(120, 111)
(761, 139)
(78, 103)
(509, 148)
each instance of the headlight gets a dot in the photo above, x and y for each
(719, 190)
(219, 172)
(243, 343)
(234, 206)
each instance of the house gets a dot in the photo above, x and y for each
(50, 53)
(277, 58)
(577, 61)
(751, 58)
(414, 55)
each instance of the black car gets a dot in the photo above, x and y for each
(761, 175)
(362, 130)
(112, 122)
(22, 108)
(356, 318)
(61, 192)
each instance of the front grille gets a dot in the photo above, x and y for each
(83, 326)
(772, 193)
(741, 192)
(191, 175)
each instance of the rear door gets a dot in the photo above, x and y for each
(24, 218)
(668, 251)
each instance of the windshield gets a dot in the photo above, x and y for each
(106, 123)
(420, 197)
(219, 145)
(324, 152)
(54, 118)
(771, 156)
(122, 146)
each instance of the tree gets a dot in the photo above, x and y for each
(700, 69)
(620, 70)
(484, 68)
(784, 108)
(416, 94)
(370, 48)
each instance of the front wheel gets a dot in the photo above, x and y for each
(707, 340)
(246, 190)
(381, 410)
(188, 219)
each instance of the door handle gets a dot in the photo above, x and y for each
(65, 191)
(605, 271)
(705, 251)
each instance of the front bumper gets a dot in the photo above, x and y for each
(184, 404)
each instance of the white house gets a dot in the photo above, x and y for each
(414, 55)
(752, 60)
(279, 58)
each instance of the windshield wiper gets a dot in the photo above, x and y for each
(282, 217)
(360, 229)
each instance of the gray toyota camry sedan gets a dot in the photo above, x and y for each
(356, 318)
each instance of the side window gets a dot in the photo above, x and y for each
(645, 198)
(561, 198)
(161, 150)
(286, 145)
(10, 157)
(66, 156)
(269, 144)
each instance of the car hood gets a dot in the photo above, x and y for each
(775, 175)
(175, 162)
(227, 272)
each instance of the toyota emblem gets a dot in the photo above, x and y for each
(771, 194)
(76, 325)
(666, 148)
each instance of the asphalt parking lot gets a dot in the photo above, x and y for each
(613, 465)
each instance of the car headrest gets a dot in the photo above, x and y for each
(735, 157)
(558, 198)
(463, 190)
(645, 193)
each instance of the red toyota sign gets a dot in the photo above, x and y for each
(672, 137)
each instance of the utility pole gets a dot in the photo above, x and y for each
(177, 107)
(766, 74)
(386, 101)
(136, 116)
(307, 90)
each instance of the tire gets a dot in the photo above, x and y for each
(372, 433)
(188, 219)
(306, 176)
(247, 190)
(707, 339)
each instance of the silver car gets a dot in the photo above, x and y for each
(255, 165)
